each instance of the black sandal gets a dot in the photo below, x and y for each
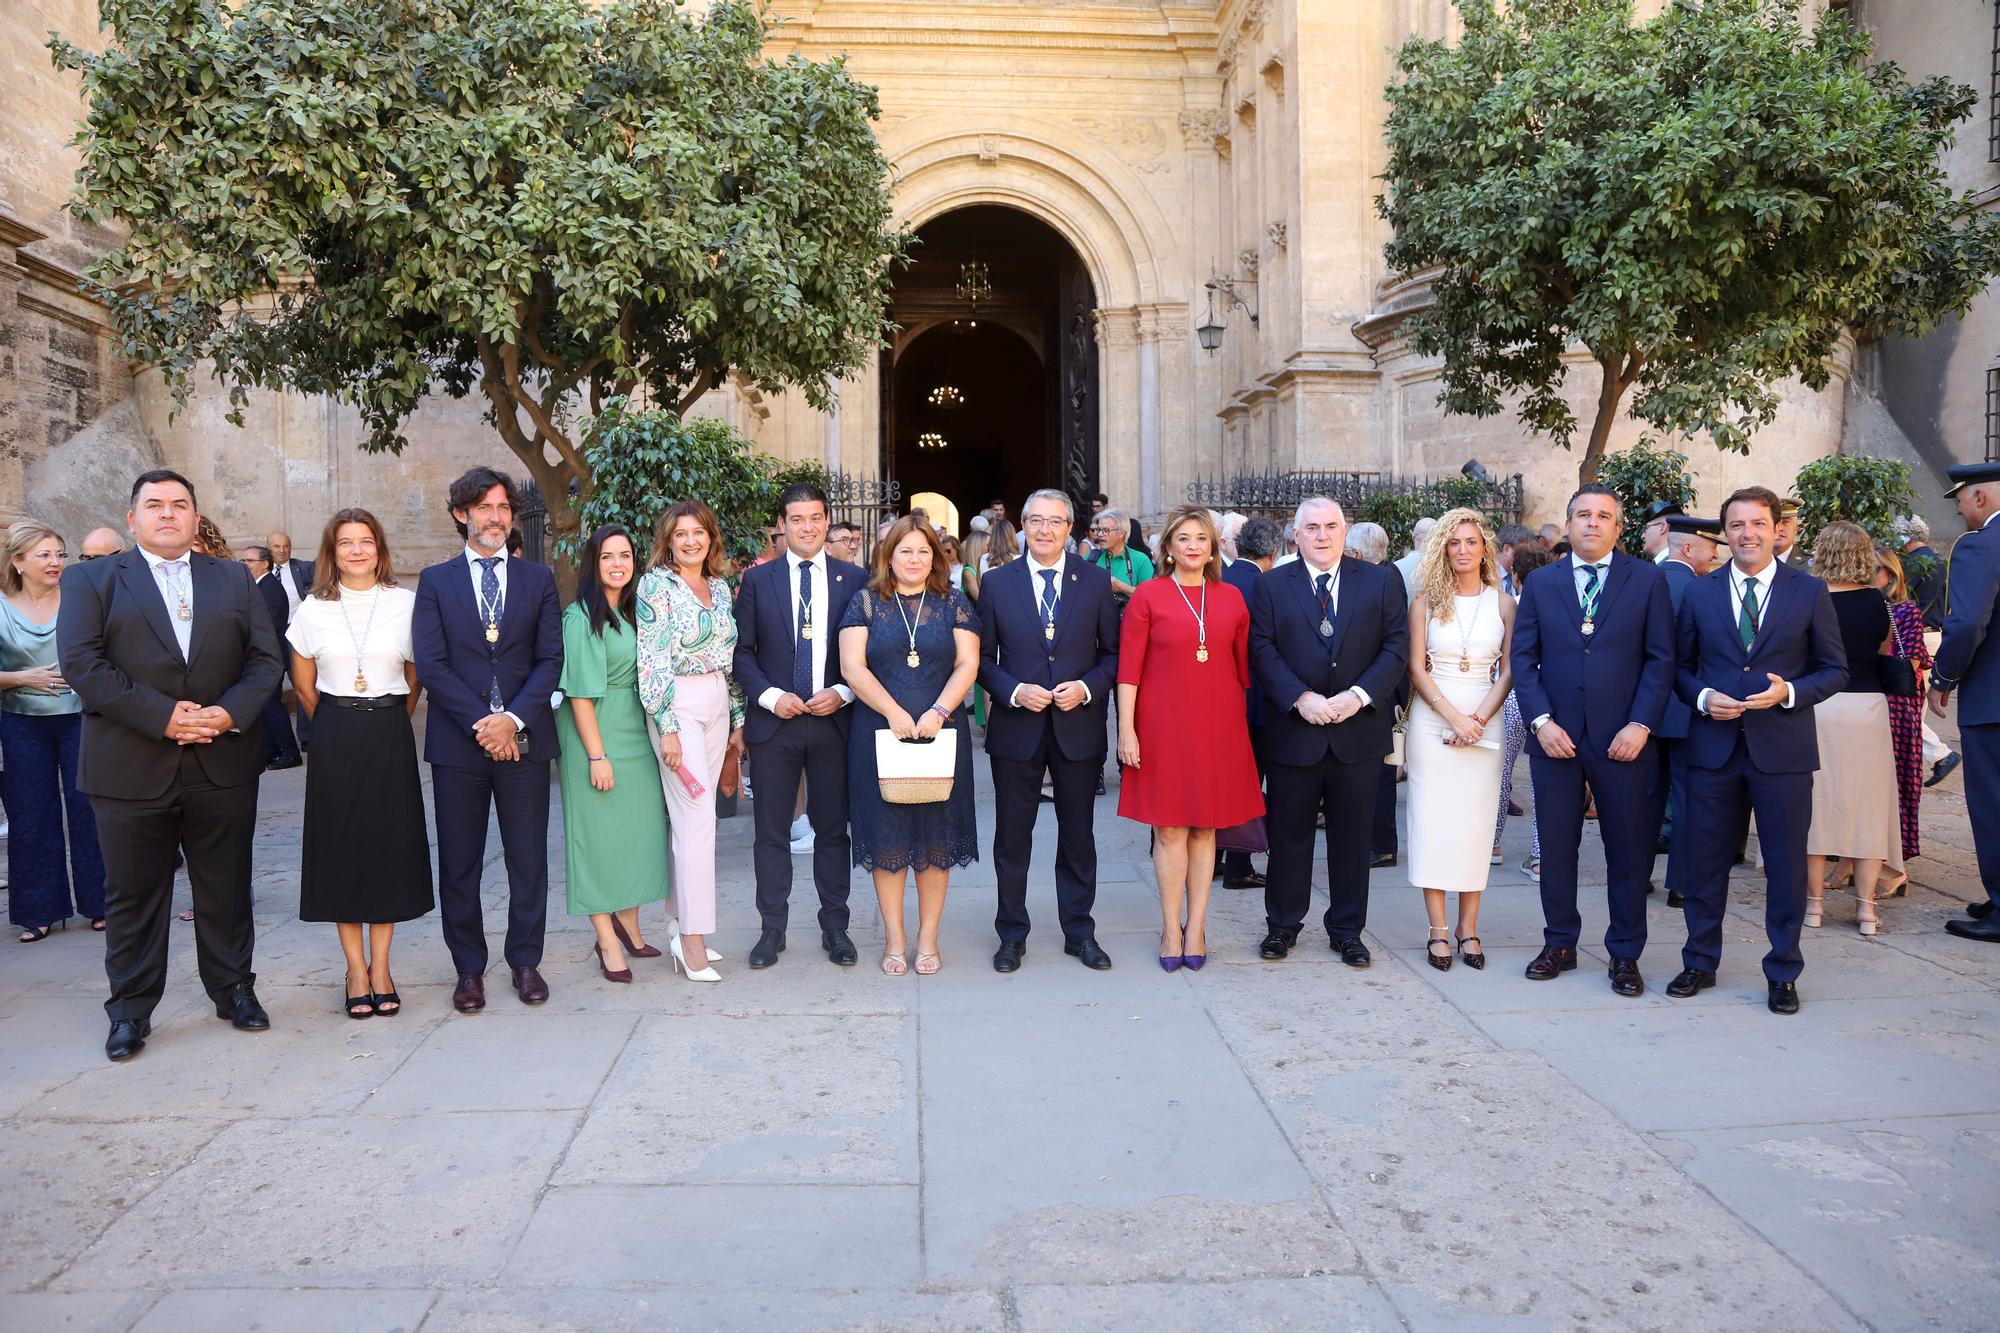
(390, 998)
(1475, 961)
(361, 1006)
(32, 935)
(1442, 964)
(97, 924)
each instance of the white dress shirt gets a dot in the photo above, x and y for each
(1332, 607)
(176, 588)
(823, 632)
(1737, 579)
(1035, 584)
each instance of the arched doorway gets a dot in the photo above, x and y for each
(991, 394)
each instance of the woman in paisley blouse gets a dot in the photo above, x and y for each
(687, 638)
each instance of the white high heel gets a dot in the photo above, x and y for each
(680, 964)
(674, 933)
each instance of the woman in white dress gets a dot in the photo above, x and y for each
(1458, 685)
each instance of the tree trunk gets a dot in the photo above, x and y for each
(1610, 394)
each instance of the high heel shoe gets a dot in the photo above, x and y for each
(681, 964)
(1194, 962)
(674, 933)
(1899, 887)
(1170, 962)
(625, 942)
(1815, 910)
(1475, 961)
(622, 974)
(358, 1006)
(1866, 925)
(1439, 935)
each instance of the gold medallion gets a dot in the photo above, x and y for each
(1201, 653)
(806, 633)
(912, 659)
(1465, 664)
(492, 633)
(360, 683)
(1049, 633)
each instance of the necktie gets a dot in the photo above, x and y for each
(489, 611)
(175, 573)
(1048, 604)
(1746, 619)
(1326, 610)
(802, 640)
(1589, 597)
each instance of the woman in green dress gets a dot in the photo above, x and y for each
(614, 813)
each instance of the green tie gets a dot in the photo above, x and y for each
(1746, 620)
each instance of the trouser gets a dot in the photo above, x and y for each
(1980, 743)
(1382, 833)
(1934, 749)
(1782, 803)
(279, 747)
(701, 706)
(813, 749)
(461, 799)
(46, 873)
(1017, 801)
(1510, 753)
(1621, 793)
(1295, 797)
(140, 838)
(1237, 864)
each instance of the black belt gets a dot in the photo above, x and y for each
(379, 701)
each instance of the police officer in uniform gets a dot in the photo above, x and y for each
(1968, 665)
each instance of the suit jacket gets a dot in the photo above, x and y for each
(1013, 651)
(1370, 648)
(272, 588)
(1243, 575)
(1595, 684)
(1798, 640)
(116, 643)
(1674, 721)
(302, 575)
(457, 666)
(766, 633)
(1968, 662)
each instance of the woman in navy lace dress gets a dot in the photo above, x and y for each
(909, 651)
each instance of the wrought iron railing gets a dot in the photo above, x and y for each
(1278, 494)
(862, 501)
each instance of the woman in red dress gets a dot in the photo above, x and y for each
(1183, 737)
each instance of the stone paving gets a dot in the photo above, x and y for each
(1290, 1145)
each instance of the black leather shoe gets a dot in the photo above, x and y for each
(1351, 950)
(767, 948)
(469, 997)
(1979, 911)
(839, 948)
(1007, 958)
(127, 1039)
(1382, 859)
(1783, 998)
(1942, 769)
(1088, 953)
(1675, 898)
(1625, 978)
(277, 764)
(1253, 880)
(1277, 944)
(1985, 928)
(1551, 963)
(239, 1005)
(1651, 888)
(1689, 982)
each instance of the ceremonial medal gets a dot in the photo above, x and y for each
(1325, 629)
(1049, 633)
(492, 632)
(1200, 618)
(360, 641)
(911, 626)
(183, 613)
(1201, 653)
(806, 632)
(360, 683)
(912, 659)
(1588, 629)
(1464, 664)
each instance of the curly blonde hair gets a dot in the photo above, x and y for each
(1844, 553)
(1434, 579)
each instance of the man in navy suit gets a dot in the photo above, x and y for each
(1759, 647)
(1690, 553)
(280, 749)
(1329, 641)
(1593, 660)
(788, 612)
(1257, 543)
(1048, 656)
(488, 636)
(1968, 665)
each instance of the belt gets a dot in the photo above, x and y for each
(365, 705)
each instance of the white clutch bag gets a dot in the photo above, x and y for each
(916, 772)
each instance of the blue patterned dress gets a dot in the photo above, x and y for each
(934, 836)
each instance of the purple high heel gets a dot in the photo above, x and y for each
(1171, 962)
(1194, 962)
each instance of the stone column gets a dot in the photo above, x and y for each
(1118, 406)
(1149, 413)
(13, 347)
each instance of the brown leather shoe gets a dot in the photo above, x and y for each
(1550, 963)
(528, 982)
(470, 997)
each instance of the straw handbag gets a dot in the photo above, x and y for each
(916, 772)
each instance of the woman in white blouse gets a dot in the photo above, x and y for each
(366, 861)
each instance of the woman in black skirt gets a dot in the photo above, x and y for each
(367, 860)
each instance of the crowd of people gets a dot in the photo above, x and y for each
(1266, 687)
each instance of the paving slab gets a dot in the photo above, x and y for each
(310, 1311)
(506, 1059)
(699, 1304)
(276, 1203)
(812, 1100)
(96, 1311)
(763, 1236)
(1318, 1303)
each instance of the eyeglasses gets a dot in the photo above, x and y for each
(772, 537)
(82, 558)
(1044, 521)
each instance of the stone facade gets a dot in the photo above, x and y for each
(1168, 144)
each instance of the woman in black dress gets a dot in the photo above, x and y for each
(909, 651)
(366, 859)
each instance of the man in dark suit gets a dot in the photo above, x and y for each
(1759, 647)
(788, 612)
(173, 657)
(1691, 553)
(1048, 656)
(295, 577)
(280, 749)
(1257, 543)
(1593, 660)
(1329, 640)
(1968, 665)
(488, 637)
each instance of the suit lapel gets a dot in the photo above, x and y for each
(1614, 579)
(206, 579)
(137, 578)
(1300, 579)
(1340, 613)
(1032, 594)
(1571, 599)
(1766, 619)
(458, 588)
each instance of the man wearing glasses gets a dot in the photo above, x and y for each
(774, 545)
(843, 540)
(100, 543)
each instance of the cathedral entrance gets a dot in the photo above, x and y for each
(990, 388)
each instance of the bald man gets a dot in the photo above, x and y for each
(100, 543)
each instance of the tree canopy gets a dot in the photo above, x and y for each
(1704, 201)
(554, 202)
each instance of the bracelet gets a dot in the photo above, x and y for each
(941, 711)
(597, 758)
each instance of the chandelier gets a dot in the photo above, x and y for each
(973, 283)
(946, 397)
(930, 439)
